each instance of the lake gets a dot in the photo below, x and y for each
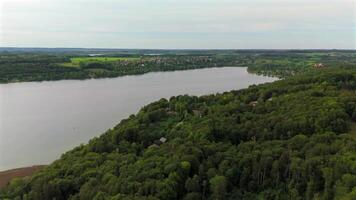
(41, 120)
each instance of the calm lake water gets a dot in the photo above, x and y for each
(41, 120)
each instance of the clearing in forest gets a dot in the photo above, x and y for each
(75, 62)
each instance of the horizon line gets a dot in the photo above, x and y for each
(177, 49)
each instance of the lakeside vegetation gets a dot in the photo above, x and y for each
(296, 62)
(291, 139)
(18, 66)
(15, 67)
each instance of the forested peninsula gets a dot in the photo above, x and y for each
(291, 139)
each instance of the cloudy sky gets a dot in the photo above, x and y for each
(221, 24)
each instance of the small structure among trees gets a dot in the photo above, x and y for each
(163, 140)
(253, 103)
(318, 65)
(157, 143)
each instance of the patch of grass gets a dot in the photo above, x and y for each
(75, 62)
(100, 59)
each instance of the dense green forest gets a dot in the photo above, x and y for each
(291, 139)
(26, 65)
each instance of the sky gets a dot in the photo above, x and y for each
(179, 24)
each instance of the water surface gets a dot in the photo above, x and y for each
(41, 120)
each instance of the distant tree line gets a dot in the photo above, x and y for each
(24, 66)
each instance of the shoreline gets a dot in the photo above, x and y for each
(44, 99)
(113, 76)
(120, 76)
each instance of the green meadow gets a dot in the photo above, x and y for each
(75, 62)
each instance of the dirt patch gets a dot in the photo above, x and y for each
(7, 176)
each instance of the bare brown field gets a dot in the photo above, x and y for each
(8, 175)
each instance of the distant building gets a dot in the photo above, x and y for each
(253, 103)
(163, 140)
(319, 65)
(94, 54)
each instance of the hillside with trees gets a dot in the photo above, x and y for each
(291, 139)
